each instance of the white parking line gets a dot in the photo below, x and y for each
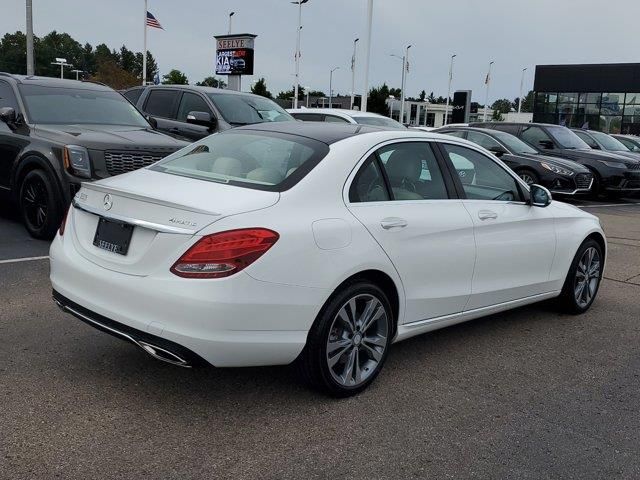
(25, 259)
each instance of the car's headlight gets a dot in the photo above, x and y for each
(76, 161)
(613, 164)
(556, 169)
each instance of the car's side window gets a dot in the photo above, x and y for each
(534, 135)
(191, 102)
(308, 117)
(413, 171)
(133, 95)
(586, 138)
(368, 184)
(161, 103)
(457, 133)
(483, 140)
(334, 119)
(629, 144)
(7, 97)
(482, 178)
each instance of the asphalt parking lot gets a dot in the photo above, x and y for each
(525, 394)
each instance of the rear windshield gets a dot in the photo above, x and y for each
(247, 109)
(247, 158)
(79, 106)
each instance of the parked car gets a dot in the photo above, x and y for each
(315, 243)
(614, 174)
(632, 142)
(340, 115)
(192, 112)
(422, 128)
(55, 134)
(560, 176)
(607, 143)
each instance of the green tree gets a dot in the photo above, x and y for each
(497, 116)
(110, 73)
(502, 105)
(423, 95)
(317, 93)
(13, 53)
(212, 82)
(432, 98)
(289, 94)
(175, 77)
(377, 101)
(527, 102)
(152, 66)
(260, 88)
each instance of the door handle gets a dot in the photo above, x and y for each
(393, 222)
(487, 215)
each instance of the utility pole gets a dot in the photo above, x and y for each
(487, 81)
(77, 72)
(367, 56)
(446, 112)
(405, 70)
(30, 67)
(521, 85)
(353, 72)
(63, 63)
(331, 86)
(295, 88)
(231, 21)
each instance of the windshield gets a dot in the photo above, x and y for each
(247, 109)
(379, 122)
(514, 144)
(252, 159)
(79, 106)
(567, 139)
(608, 142)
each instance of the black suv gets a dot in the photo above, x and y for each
(193, 112)
(560, 176)
(55, 134)
(614, 175)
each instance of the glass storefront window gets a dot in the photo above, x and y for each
(632, 99)
(612, 103)
(590, 97)
(610, 123)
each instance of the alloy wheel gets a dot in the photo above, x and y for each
(587, 277)
(357, 340)
(528, 179)
(35, 200)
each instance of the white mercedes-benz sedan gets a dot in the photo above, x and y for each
(316, 243)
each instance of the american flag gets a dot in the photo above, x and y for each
(152, 22)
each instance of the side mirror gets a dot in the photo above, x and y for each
(152, 121)
(546, 144)
(497, 150)
(204, 119)
(8, 115)
(539, 196)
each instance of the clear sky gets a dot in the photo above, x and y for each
(513, 33)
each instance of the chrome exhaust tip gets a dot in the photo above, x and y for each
(162, 354)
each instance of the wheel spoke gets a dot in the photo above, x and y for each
(347, 373)
(373, 353)
(378, 340)
(344, 317)
(373, 315)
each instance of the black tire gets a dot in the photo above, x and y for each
(568, 301)
(40, 204)
(313, 362)
(533, 177)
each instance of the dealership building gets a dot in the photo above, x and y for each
(603, 97)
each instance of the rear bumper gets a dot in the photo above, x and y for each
(233, 322)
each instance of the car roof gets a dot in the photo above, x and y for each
(488, 131)
(203, 89)
(338, 111)
(536, 124)
(324, 132)
(57, 82)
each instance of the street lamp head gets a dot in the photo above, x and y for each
(454, 55)
(409, 46)
(524, 69)
(356, 40)
(232, 14)
(61, 60)
(492, 62)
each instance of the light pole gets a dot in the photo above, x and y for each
(521, 85)
(487, 82)
(446, 112)
(353, 72)
(63, 63)
(405, 70)
(295, 88)
(30, 69)
(367, 57)
(77, 72)
(331, 85)
(306, 91)
(393, 99)
(231, 21)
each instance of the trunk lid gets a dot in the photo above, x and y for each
(166, 211)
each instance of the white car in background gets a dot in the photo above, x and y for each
(339, 115)
(315, 243)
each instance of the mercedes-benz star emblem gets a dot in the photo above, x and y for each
(107, 202)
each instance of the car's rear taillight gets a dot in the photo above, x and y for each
(223, 254)
(64, 222)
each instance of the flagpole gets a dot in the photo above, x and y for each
(144, 55)
(486, 98)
